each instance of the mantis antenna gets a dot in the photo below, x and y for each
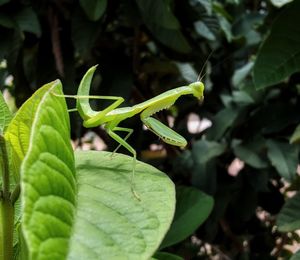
(199, 78)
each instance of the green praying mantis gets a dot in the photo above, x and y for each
(112, 116)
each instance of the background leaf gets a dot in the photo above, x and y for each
(284, 157)
(192, 209)
(289, 216)
(94, 9)
(27, 20)
(272, 65)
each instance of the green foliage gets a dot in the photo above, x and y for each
(272, 64)
(289, 216)
(144, 48)
(189, 202)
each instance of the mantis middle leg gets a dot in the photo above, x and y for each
(121, 141)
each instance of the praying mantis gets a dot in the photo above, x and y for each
(112, 116)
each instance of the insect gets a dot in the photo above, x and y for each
(112, 116)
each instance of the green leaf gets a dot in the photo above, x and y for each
(203, 30)
(2, 2)
(192, 209)
(249, 156)
(204, 150)
(48, 178)
(94, 9)
(110, 223)
(289, 217)
(273, 65)
(27, 21)
(223, 120)
(167, 256)
(280, 3)
(5, 115)
(18, 131)
(241, 73)
(284, 157)
(6, 20)
(173, 39)
(295, 138)
(84, 31)
(159, 13)
(296, 256)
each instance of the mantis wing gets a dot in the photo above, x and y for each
(165, 133)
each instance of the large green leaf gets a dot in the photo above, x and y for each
(94, 9)
(289, 216)
(192, 209)
(284, 157)
(110, 222)
(5, 115)
(273, 64)
(48, 185)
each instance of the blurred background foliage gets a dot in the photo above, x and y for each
(242, 141)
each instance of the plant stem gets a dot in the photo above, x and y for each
(7, 213)
(6, 207)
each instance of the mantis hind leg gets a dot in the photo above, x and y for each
(123, 142)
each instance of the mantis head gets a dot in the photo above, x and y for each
(197, 89)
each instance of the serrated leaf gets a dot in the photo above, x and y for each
(110, 223)
(284, 157)
(94, 9)
(272, 65)
(5, 115)
(159, 13)
(48, 186)
(289, 217)
(27, 21)
(190, 203)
